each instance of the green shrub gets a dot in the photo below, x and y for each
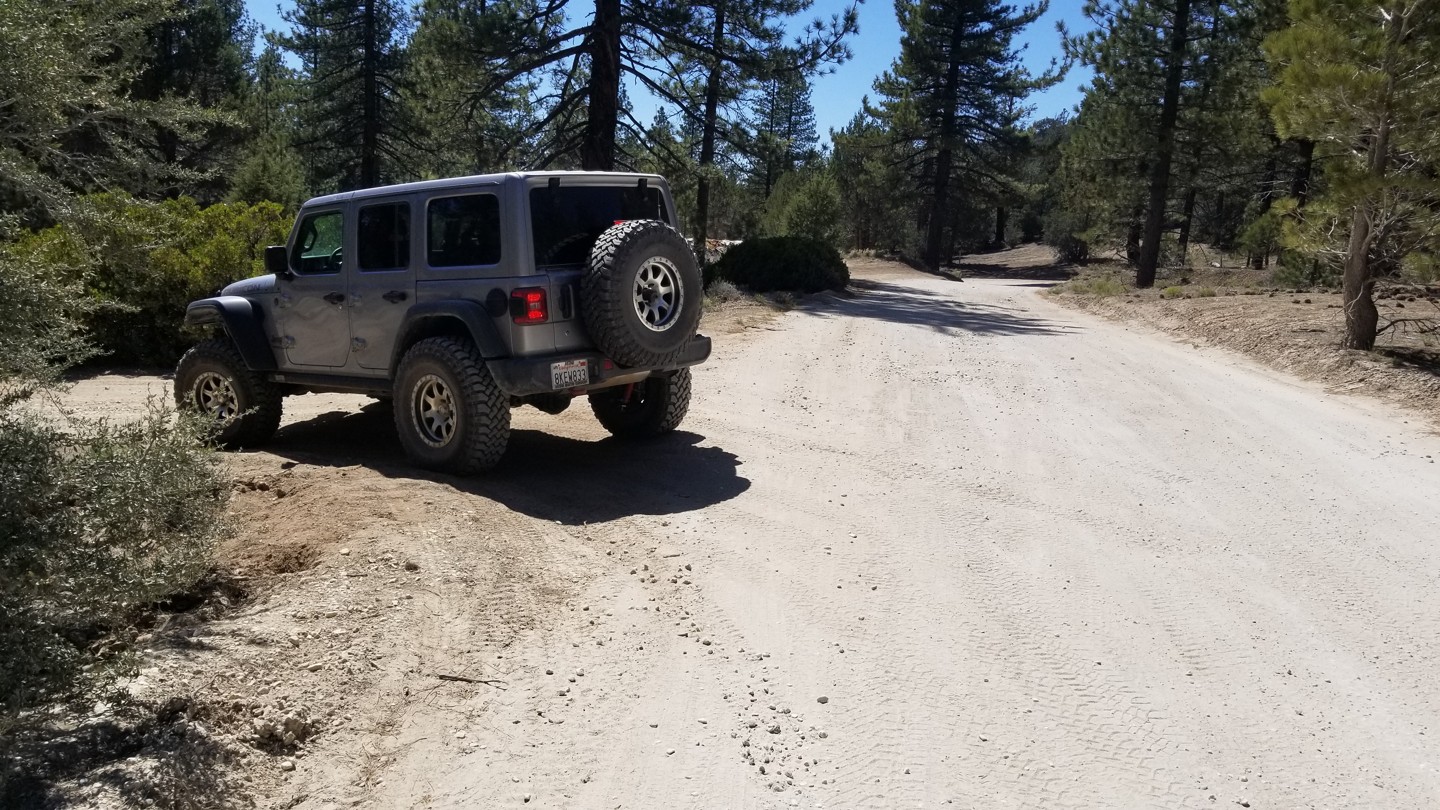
(790, 263)
(144, 262)
(96, 521)
(1106, 286)
(805, 204)
(1296, 270)
(1172, 292)
(1071, 249)
(721, 292)
(1205, 292)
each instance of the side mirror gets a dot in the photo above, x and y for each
(277, 261)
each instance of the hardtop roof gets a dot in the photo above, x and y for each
(472, 180)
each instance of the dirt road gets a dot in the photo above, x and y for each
(934, 543)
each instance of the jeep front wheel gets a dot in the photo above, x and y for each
(213, 380)
(651, 407)
(450, 414)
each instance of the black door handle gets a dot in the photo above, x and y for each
(334, 298)
(395, 296)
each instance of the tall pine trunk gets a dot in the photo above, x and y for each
(370, 112)
(1187, 221)
(1361, 317)
(1300, 181)
(940, 191)
(707, 137)
(1164, 148)
(597, 150)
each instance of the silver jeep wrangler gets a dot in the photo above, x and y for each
(460, 299)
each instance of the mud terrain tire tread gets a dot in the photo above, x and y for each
(666, 401)
(258, 399)
(484, 410)
(606, 291)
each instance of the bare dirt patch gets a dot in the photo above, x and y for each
(364, 591)
(1298, 331)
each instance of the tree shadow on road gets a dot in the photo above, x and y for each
(971, 267)
(63, 762)
(557, 478)
(899, 303)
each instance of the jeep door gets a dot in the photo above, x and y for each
(310, 308)
(382, 283)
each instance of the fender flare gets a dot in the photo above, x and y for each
(242, 321)
(470, 314)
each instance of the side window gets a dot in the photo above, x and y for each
(463, 231)
(317, 246)
(383, 237)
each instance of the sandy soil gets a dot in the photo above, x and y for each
(1295, 331)
(927, 543)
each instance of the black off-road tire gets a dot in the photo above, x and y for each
(655, 406)
(627, 264)
(213, 380)
(467, 437)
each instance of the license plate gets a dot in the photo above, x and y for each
(569, 375)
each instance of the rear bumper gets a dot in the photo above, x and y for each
(526, 376)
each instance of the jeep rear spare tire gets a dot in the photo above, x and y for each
(213, 380)
(450, 414)
(641, 294)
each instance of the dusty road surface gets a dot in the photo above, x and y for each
(935, 543)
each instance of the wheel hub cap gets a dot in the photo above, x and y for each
(433, 411)
(215, 395)
(658, 294)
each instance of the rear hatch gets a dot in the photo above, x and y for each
(566, 219)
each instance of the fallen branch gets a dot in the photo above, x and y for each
(463, 679)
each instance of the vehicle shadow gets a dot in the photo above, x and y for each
(555, 478)
(900, 303)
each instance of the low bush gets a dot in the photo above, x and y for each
(721, 292)
(142, 263)
(1071, 249)
(790, 263)
(1173, 292)
(1105, 286)
(95, 522)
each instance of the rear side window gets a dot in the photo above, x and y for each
(383, 238)
(566, 220)
(463, 231)
(317, 245)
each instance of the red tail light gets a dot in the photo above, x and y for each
(529, 305)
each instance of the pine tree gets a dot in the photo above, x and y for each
(877, 201)
(463, 134)
(198, 53)
(269, 168)
(356, 131)
(784, 128)
(1360, 80)
(953, 95)
(694, 56)
(71, 123)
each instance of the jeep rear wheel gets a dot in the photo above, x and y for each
(450, 414)
(213, 380)
(651, 407)
(640, 297)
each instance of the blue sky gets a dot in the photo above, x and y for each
(837, 96)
